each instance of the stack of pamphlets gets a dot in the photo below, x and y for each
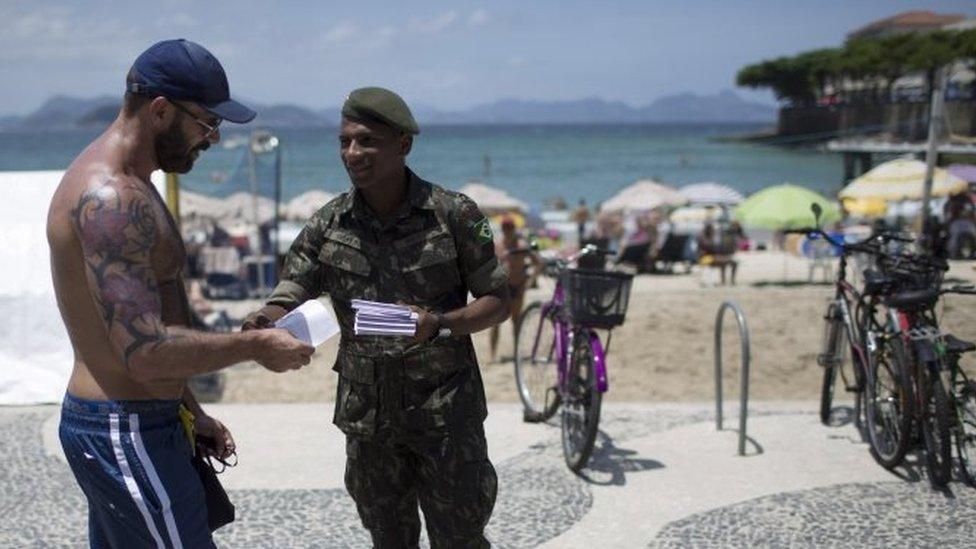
(384, 319)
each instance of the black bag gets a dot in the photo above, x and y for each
(220, 511)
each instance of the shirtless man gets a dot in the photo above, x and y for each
(515, 254)
(116, 261)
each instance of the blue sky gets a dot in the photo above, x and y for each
(446, 54)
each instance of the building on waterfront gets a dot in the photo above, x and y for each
(908, 21)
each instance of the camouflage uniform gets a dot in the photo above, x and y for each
(412, 413)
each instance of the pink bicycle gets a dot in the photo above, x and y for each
(559, 357)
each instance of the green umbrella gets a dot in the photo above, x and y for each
(784, 207)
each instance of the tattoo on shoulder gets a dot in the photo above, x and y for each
(117, 228)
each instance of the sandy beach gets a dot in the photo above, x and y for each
(664, 351)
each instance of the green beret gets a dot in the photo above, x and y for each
(380, 105)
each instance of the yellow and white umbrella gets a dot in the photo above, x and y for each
(865, 207)
(901, 179)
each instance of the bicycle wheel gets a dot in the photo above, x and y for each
(966, 431)
(830, 358)
(887, 403)
(581, 405)
(536, 363)
(935, 431)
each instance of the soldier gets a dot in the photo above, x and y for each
(411, 408)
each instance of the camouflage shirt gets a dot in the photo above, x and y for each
(432, 252)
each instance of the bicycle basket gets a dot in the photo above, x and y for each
(913, 272)
(597, 299)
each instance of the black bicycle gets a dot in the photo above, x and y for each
(849, 315)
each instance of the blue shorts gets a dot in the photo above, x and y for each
(132, 461)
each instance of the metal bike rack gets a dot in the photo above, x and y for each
(744, 384)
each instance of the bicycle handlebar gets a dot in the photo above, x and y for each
(965, 289)
(868, 245)
(558, 264)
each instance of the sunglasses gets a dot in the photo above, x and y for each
(212, 129)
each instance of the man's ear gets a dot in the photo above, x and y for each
(160, 112)
(406, 143)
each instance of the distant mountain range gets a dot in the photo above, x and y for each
(66, 113)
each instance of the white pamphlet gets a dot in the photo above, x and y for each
(310, 322)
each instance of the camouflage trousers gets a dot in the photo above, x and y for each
(450, 478)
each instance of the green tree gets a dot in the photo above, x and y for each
(858, 62)
(892, 64)
(931, 52)
(789, 79)
(821, 67)
(964, 46)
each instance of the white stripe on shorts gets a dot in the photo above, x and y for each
(130, 482)
(157, 485)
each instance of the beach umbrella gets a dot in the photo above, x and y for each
(306, 204)
(902, 179)
(491, 199)
(643, 195)
(784, 206)
(963, 171)
(693, 214)
(865, 207)
(711, 193)
(517, 218)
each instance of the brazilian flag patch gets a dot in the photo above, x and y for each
(482, 231)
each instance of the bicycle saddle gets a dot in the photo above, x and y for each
(913, 299)
(956, 345)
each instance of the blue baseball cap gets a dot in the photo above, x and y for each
(185, 71)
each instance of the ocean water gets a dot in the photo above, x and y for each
(533, 163)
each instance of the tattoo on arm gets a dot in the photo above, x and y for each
(117, 228)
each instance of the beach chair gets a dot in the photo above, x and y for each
(222, 270)
(674, 251)
(820, 255)
(636, 255)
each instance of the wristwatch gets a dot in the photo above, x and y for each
(442, 330)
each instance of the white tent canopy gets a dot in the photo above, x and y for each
(240, 206)
(491, 199)
(35, 353)
(643, 195)
(306, 204)
(710, 193)
(200, 205)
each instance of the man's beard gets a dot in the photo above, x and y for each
(173, 150)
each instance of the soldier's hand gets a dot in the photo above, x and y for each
(427, 324)
(279, 351)
(264, 317)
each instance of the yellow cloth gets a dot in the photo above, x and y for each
(187, 418)
(707, 259)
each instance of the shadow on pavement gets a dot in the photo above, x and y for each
(842, 416)
(788, 283)
(757, 448)
(913, 470)
(609, 463)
